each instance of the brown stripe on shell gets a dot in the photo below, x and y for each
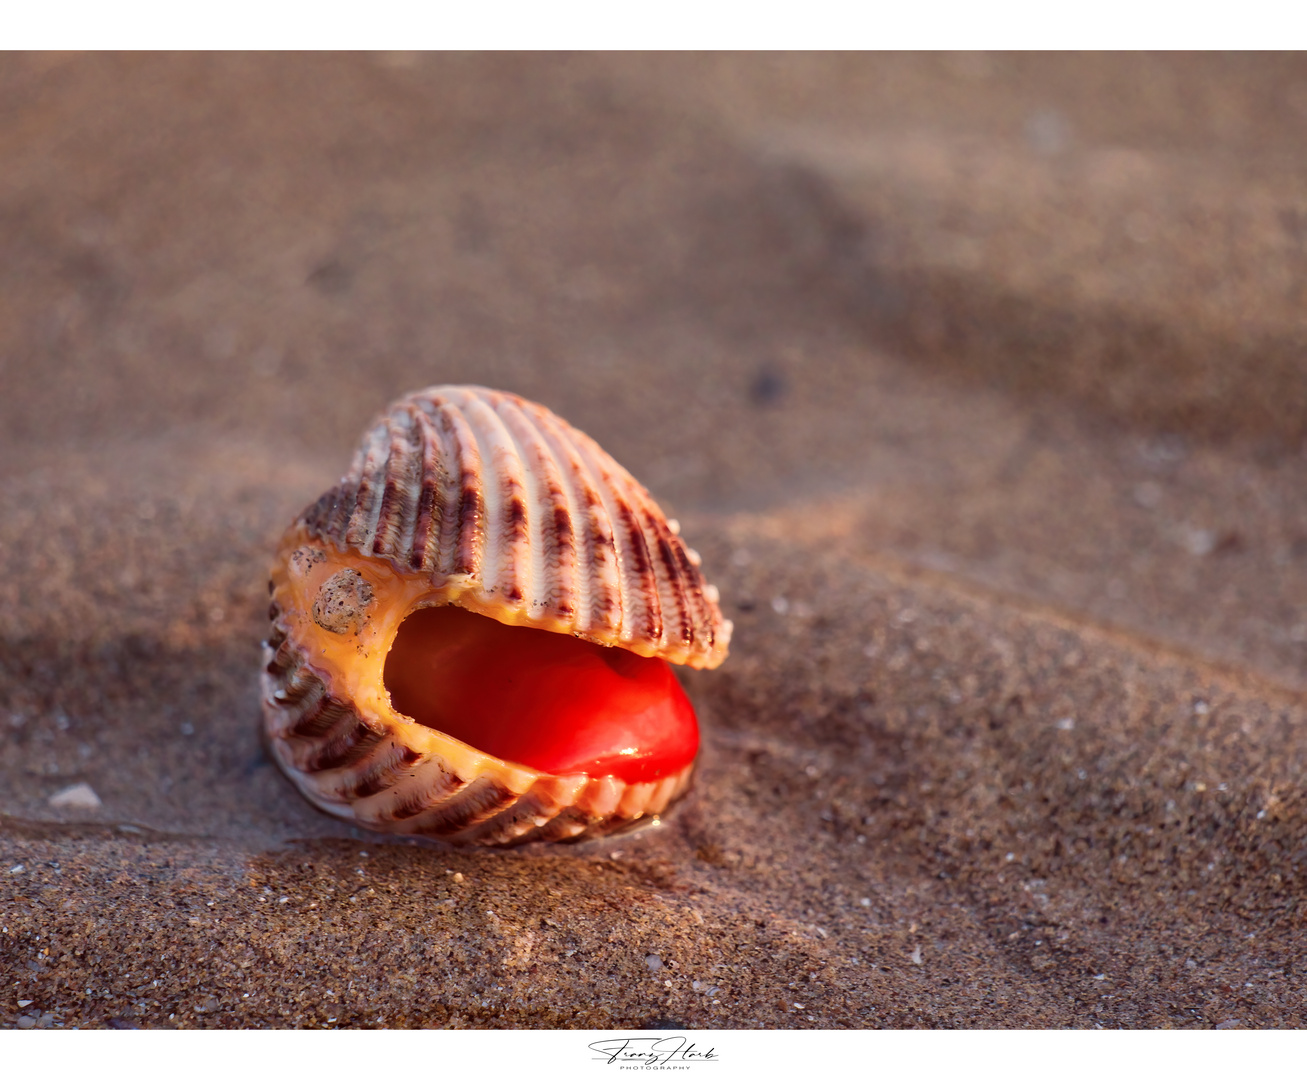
(299, 690)
(645, 609)
(384, 772)
(702, 609)
(642, 622)
(330, 721)
(599, 595)
(513, 825)
(443, 470)
(479, 800)
(397, 513)
(281, 659)
(378, 769)
(507, 560)
(470, 511)
(566, 826)
(345, 747)
(686, 609)
(554, 575)
(370, 482)
(432, 506)
(537, 817)
(431, 785)
(677, 623)
(329, 516)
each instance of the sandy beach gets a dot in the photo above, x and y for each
(978, 381)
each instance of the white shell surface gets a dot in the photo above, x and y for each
(509, 511)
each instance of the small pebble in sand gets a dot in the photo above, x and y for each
(458, 878)
(1148, 494)
(17, 868)
(654, 963)
(916, 956)
(77, 797)
(1197, 541)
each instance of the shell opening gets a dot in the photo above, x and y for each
(549, 701)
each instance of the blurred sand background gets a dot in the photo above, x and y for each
(980, 382)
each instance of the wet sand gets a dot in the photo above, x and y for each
(978, 381)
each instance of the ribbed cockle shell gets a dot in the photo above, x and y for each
(557, 720)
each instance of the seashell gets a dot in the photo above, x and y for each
(472, 631)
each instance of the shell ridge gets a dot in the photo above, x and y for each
(509, 826)
(472, 804)
(534, 595)
(319, 516)
(446, 524)
(426, 522)
(678, 625)
(328, 518)
(370, 480)
(599, 592)
(691, 596)
(373, 771)
(642, 612)
(397, 512)
(553, 564)
(430, 784)
(506, 562)
(350, 741)
(705, 611)
(337, 524)
(318, 715)
(470, 502)
(661, 591)
(639, 598)
(640, 562)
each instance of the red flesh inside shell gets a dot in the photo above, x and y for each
(545, 700)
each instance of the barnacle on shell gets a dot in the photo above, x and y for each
(472, 630)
